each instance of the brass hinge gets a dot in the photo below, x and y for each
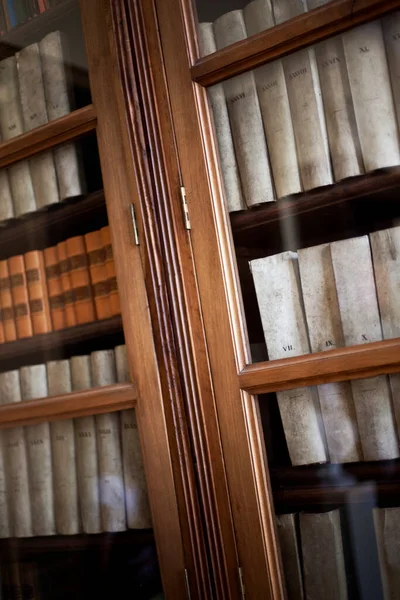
(134, 225)
(185, 209)
(187, 585)
(241, 581)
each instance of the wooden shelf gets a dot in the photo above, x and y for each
(37, 27)
(52, 224)
(58, 131)
(109, 398)
(341, 364)
(295, 487)
(331, 19)
(59, 344)
(351, 207)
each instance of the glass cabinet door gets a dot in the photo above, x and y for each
(302, 164)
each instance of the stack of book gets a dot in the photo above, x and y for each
(65, 285)
(74, 475)
(16, 12)
(317, 116)
(314, 554)
(36, 89)
(324, 297)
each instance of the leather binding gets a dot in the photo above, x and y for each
(20, 298)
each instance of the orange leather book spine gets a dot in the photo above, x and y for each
(66, 284)
(80, 280)
(7, 311)
(54, 289)
(20, 298)
(98, 274)
(37, 292)
(110, 270)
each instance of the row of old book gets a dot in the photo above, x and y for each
(313, 554)
(19, 581)
(325, 297)
(317, 116)
(62, 286)
(16, 12)
(75, 475)
(35, 89)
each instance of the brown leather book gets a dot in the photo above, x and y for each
(54, 289)
(66, 284)
(7, 311)
(98, 274)
(110, 269)
(80, 280)
(37, 291)
(20, 298)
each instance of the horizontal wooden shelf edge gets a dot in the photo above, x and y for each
(333, 18)
(76, 404)
(341, 364)
(65, 129)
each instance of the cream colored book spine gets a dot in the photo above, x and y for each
(86, 451)
(387, 531)
(275, 108)
(6, 201)
(323, 557)
(343, 138)
(245, 118)
(372, 95)
(137, 503)
(16, 461)
(11, 125)
(34, 113)
(391, 35)
(34, 385)
(385, 246)
(57, 90)
(112, 497)
(287, 535)
(64, 455)
(216, 97)
(5, 525)
(278, 295)
(304, 91)
(359, 314)
(325, 333)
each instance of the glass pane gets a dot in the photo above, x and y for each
(309, 157)
(333, 454)
(234, 20)
(43, 71)
(74, 514)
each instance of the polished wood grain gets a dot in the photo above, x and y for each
(49, 225)
(241, 435)
(94, 401)
(331, 19)
(352, 207)
(121, 188)
(64, 129)
(341, 364)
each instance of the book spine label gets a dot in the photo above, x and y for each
(275, 109)
(98, 274)
(286, 526)
(372, 95)
(216, 97)
(65, 276)
(323, 557)
(16, 461)
(115, 307)
(325, 333)
(54, 289)
(63, 454)
(355, 286)
(37, 291)
(245, 118)
(19, 292)
(7, 311)
(80, 280)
